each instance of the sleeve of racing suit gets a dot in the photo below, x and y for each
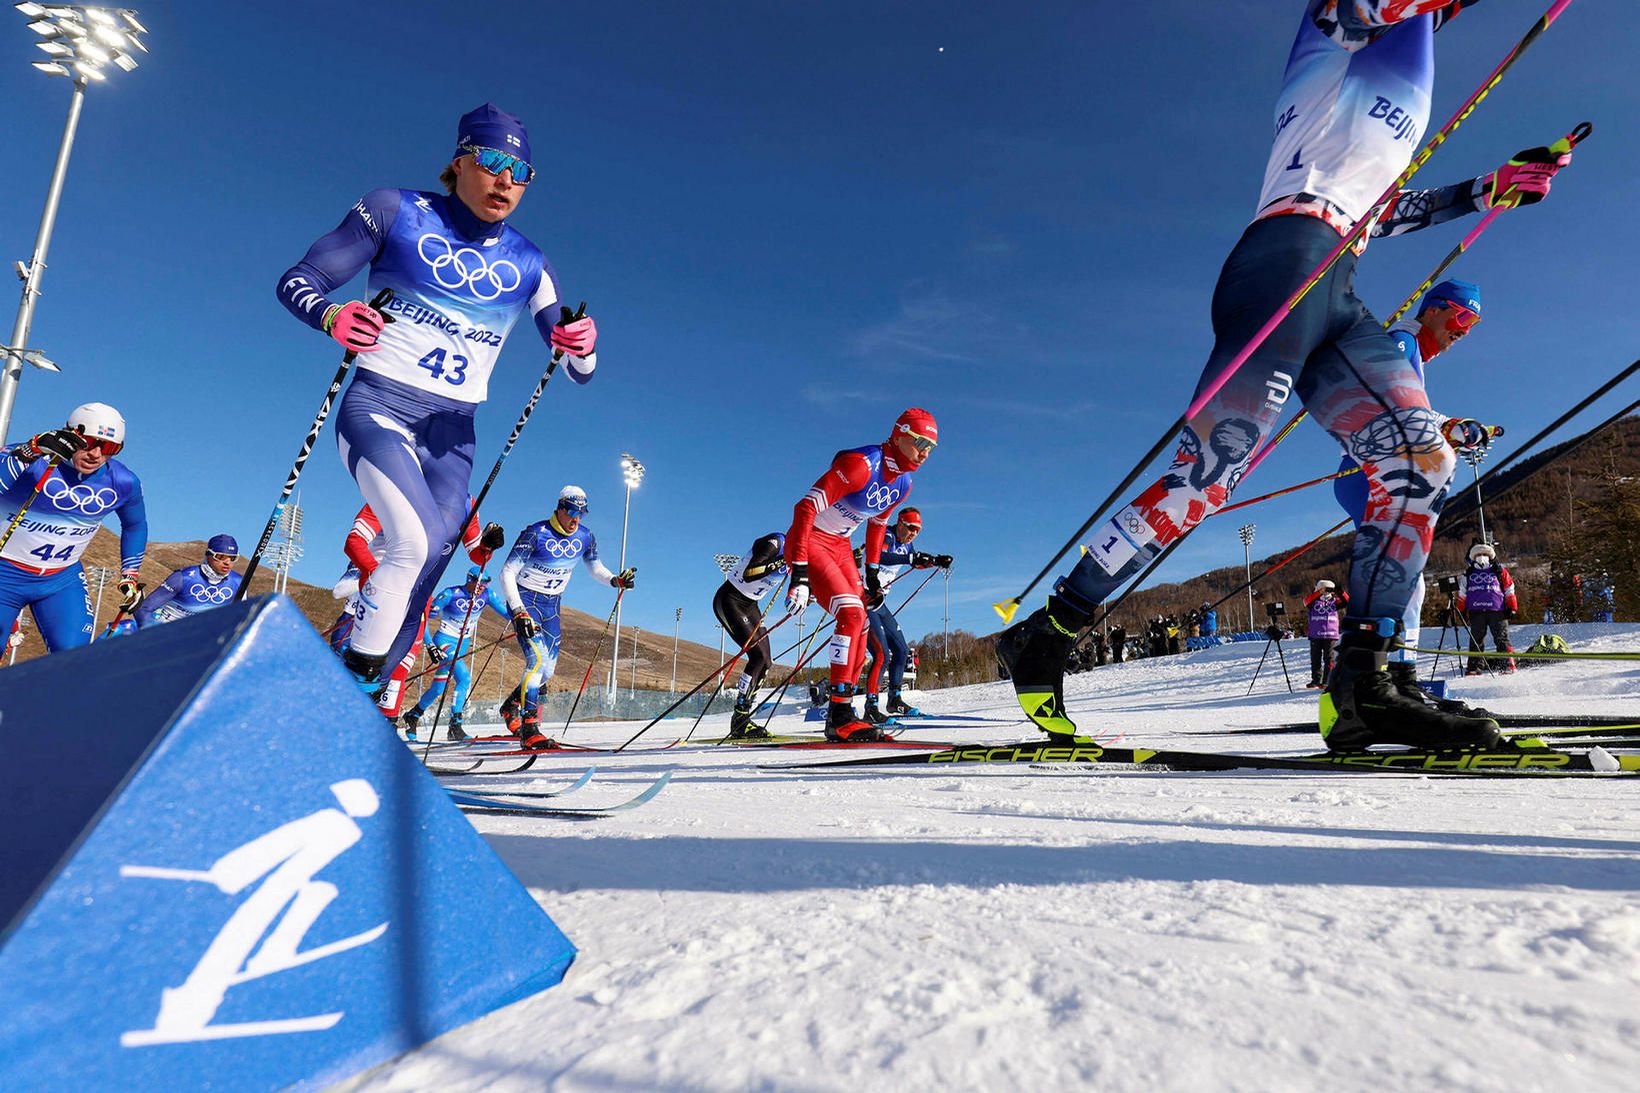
(133, 517)
(158, 598)
(357, 544)
(438, 603)
(470, 537)
(594, 564)
(764, 557)
(337, 256)
(544, 305)
(847, 473)
(1507, 584)
(1414, 210)
(496, 602)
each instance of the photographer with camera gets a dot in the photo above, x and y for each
(1325, 606)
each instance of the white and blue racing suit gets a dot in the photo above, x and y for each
(40, 566)
(187, 592)
(459, 612)
(405, 426)
(533, 579)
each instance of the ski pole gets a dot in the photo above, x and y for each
(757, 634)
(1290, 489)
(51, 465)
(713, 674)
(773, 701)
(377, 302)
(1006, 608)
(597, 650)
(120, 615)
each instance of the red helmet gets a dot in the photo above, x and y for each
(918, 427)
(911, 518)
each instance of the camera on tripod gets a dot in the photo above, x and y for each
(1275, 611)
(1450, 585)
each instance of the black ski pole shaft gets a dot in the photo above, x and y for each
(773, 701)
(377, 302)
(1582, 405)
(597, 651)
(656, 720)
(723, 676)
(1006, 608)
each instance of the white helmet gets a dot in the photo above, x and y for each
(98, 421)
(574, 499)
(1323, 585)
(1481, 548)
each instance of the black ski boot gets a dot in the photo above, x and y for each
(1405, 676)
(1362, 705)
(409, 720)
(873, 714)
(741, 725)
(457, 730)
(898, 708)
(1033, 654)
(841, 724)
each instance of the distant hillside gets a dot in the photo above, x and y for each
(654, 651)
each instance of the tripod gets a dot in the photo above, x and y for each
(1272, 634)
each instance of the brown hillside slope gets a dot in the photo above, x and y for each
(654, 651)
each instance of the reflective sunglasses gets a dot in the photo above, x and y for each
(923, 444)
(216, 556)
(1462, 318)
(494, 161)
(109, 448)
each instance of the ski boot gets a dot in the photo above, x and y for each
(1404, 674)
(529, 733)
(841, 724)
(1033, 655)
(365, 669)
(510, 715)
(1362, 705)
(457, 730)
(898, 708)
(409, 719)
(741, 725)
(873, 714)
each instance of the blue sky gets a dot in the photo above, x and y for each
(790, 221)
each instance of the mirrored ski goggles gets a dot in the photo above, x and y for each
(923, 444)
(218, 556)
(1462, 318)
(109, 448)
(494, 161)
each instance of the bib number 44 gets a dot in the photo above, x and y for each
(434, 362)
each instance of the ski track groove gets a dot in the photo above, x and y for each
(751, 930)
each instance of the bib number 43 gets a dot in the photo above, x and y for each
(434, 362)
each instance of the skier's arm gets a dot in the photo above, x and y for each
(133, 516)
(336, 257)
(494, 601)
(521, 551)
(765, 558)
(158, 598)
(847, 473)
(1414, 210)
(357, 545)
(545, 306)
(595, 566)
(1506, 584)
(436, 606)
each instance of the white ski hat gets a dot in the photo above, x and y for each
(1323, 584)
(1482, 548)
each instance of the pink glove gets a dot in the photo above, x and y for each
(1525, 179)
(356, 325)
(578, 337)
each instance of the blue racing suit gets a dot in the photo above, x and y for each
(187, 592)
(533, 579)
(40, 566)
(459, 612)
(405, 425)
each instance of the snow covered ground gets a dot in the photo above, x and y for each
(1013, 929)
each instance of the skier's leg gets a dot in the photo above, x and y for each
(463, 675)
(899, 653)
(1318, 660)
(62, 609)
(1477, 642)
(835, 583)
(876, 653)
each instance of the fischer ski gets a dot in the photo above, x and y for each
(1530, 762)
(511, 804)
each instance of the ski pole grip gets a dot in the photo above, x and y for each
(564, 316)
(1578, 135)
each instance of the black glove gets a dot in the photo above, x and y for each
(943, 561)
(60, 444)
(436, 653)
(130, 593)
(524, 626)
(859, 555)
(874, 587)
(493, 539)
(626, 578)
(919, 560)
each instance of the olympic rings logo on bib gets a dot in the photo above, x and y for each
(86, 499)
(564, 548)
(880, 497)
(466, 268)
(218, 594)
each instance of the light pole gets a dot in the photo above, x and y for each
(79, 42)
(677, 622)
(1246, 533)
(100, 576)
(632, 472)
